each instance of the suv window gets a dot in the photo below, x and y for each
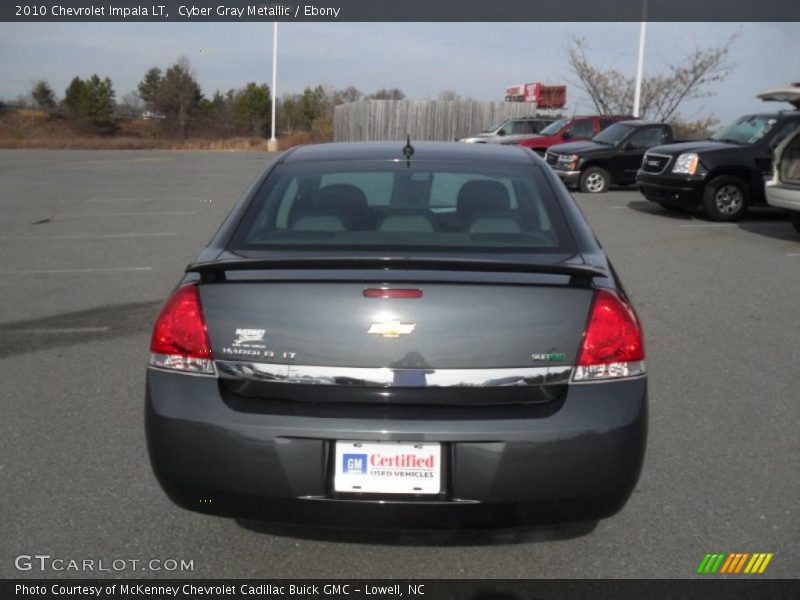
(422, 206)
(648, 137)
(606, 122)
(746, 130)
(783, 132)
(613, 135)
(519, 127)
(584, 128)
(554, 127)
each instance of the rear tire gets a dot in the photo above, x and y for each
(795, 218)
(594, 180)
(726, 198)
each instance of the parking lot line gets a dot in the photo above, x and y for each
(162, 198)
(58, 330)
(67, 271)
(708, 225)
(138, 214)
(87, 236)
(153, 213)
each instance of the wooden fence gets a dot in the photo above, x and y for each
(368, 120)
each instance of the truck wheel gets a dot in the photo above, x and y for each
(726, 198)
(795, 217)
(594, 180)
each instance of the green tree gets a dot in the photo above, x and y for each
(76, 97)
(253, 106)
(312, 106)
(149, 87)
(100, 101)
(43, 95)
(175, 94)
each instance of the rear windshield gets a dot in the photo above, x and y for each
(394, 205)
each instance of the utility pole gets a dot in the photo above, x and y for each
(637, 92)
(272, 145)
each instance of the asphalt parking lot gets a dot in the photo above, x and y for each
(92, 242)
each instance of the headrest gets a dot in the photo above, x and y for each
(340, 197)
(482, 195)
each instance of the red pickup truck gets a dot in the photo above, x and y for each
(569, 129)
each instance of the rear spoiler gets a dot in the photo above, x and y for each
(215, 270)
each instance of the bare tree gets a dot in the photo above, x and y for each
(131, 104)
(611, 91)
(351, 94)
(448, 95)
(388, 94)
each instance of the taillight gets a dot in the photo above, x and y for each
(180, 339)
(613, 345)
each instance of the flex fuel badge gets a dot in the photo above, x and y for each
(549, 357)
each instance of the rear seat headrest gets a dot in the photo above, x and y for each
(340, 196)
(482, 195)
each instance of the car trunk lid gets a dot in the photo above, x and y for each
(461, 319)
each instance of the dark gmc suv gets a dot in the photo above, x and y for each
(725, 174)
(612, 156)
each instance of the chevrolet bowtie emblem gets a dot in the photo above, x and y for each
(391, 329)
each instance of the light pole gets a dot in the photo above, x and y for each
(272, 145)
(637, 92)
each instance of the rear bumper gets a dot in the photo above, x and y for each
(677, 190)
(784, 197)
(580, 462)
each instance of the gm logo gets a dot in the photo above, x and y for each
(354, 463)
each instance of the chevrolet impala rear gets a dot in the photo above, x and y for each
(425, 335)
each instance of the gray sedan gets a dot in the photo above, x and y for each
(425, 335)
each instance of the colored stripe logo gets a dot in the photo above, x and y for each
(735, 563)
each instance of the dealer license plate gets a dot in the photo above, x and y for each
(388, 467)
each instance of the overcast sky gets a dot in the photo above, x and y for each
(474, 59)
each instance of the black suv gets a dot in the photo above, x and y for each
(725, 174)
(612, 156)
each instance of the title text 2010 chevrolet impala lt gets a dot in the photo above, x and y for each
(390, 335)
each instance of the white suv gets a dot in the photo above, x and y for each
(784, 189)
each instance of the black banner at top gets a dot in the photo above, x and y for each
(401, 10)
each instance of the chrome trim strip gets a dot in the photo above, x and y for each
(664, 168)
(388, 377)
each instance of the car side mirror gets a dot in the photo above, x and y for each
(567, 135)
(501, 132)
(629, 146)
